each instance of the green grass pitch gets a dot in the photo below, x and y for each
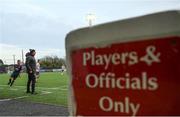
(52, 88)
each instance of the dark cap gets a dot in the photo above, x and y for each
(32, 50)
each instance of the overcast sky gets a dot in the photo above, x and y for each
(43, 24)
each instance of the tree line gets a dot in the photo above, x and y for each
(52, 62)
(47, 62)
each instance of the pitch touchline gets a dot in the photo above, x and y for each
(13, 89)
(37, 87)
(9, 99)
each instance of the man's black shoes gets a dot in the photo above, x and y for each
(34, 93)
(28, 92)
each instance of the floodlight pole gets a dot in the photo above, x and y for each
(14, 60)
(22, 57)
(90, 18)
(90, 22)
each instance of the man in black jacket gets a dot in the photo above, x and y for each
(31, 70)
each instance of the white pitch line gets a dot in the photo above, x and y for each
(19, 97)
(54, 88)
(13, 89)
(36, 87)
(9, 99)
(3, 100)
(46, 92)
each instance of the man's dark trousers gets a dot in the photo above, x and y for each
(31, 80)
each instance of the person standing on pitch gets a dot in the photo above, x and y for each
(31, 70)
(37, 70)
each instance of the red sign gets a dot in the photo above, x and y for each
(132, 78)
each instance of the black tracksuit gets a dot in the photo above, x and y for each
(31, 66)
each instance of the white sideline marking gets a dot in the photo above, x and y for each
(53, 88)
(43, 92)
(3, 100)
(37, 87)
(46, 92)
(9, 99)
(13, 89)
(19, 97)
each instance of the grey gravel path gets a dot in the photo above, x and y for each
(24, 108)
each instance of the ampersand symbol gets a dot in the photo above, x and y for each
(151, 57)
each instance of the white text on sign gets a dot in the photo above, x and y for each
(129, 58)
(105, 79)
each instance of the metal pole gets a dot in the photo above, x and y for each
(22, 57)
(90, 18)
(90, 22)
(14, 61)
